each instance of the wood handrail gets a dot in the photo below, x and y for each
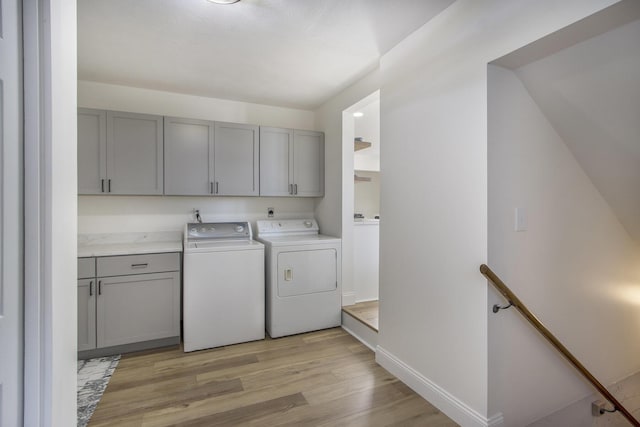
(515, 301)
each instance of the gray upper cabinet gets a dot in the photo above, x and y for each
(276, 161)
(92, 150)
(134, 153)
(291, 162)
(119, 153)
(237, 157)
(211, 158)
(308, 163)
(188, 157)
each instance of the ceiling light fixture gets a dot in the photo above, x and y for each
(358, 114)
(224, 1)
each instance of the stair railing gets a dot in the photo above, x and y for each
(515, 302)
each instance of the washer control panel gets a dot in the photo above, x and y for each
(218, 230)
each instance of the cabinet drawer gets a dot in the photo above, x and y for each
(86, 268)
(137, 264)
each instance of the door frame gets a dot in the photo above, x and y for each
(50, 211)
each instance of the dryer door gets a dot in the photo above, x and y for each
(307, 272)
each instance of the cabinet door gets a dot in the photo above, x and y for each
(308, 163)
(276, 161)
(138, 308)
(92, 151)
(188, 157)
(236, 160)
(134, 153)
(86, 314)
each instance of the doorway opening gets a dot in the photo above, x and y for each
(361, 210)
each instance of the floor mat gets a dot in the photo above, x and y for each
(93, 377)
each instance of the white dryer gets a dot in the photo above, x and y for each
(303, 276)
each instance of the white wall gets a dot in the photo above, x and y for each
(113, 214)
(368, 127)
(124, 98)
(578, 414)
(155, 213)
(433, 319)
(571, 267)
(335, 210)
(367, 194)
(366, 255)
(590, 94)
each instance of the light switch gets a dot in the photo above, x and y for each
(520, 223)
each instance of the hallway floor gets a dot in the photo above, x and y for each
(323, 378)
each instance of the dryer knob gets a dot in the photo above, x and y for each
(239, 229)
(308, 224)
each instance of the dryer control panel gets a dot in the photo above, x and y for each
(287, 227)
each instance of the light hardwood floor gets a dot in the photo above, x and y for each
(367, 312)
(324, 378)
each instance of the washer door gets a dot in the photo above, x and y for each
(307, 272)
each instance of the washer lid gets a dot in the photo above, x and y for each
(195, 246)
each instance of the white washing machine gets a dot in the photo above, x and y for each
(303, 276)
(223, 285)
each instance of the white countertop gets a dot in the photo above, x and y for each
(107, 244)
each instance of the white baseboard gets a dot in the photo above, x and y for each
(348, 298)
(454, 408)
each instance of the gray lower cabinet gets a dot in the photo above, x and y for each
(137, 308)
(86, 303)
(210, 158)
(131, 302)
(86, 314)
(291, 162)
(119, 153)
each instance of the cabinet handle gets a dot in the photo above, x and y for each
(290, 188)
(216, 187)
(144, 265)
(109, 185)
(91, 288)
(295, 188)
(211, 187)
(102, 185)
(99, 287)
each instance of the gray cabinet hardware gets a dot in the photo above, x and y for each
(144, 265)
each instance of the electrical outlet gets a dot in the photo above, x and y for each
(270, 212)
(597, 408)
